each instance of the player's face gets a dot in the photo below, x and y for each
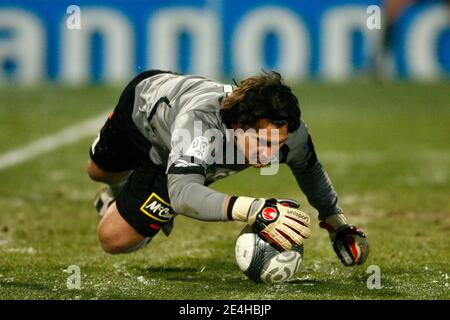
(262, 143)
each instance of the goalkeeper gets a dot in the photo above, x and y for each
(162, 146)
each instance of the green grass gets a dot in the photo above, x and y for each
(385, 147)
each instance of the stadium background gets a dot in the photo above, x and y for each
(379, 116)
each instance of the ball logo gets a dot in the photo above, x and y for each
(269, 214)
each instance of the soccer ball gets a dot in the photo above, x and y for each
(262, 262)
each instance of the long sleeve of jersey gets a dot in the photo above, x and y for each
(186, 172)
(191, 198)
(310, 175)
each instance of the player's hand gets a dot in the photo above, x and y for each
(277, 220)
(349, 242)
(288, 202)
(280, 222)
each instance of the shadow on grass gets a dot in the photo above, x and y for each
(172, 270)
(25, 286)
(22, 290)
(222, 279)
(353, 288)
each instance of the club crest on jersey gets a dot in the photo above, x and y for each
(269, 214)
(156, 208)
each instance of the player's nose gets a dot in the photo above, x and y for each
(266, 155)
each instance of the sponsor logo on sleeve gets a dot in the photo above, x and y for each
(187, 165)
(180, 163)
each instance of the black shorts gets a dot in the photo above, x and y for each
(144, 200)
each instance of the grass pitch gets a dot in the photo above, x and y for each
(385, 147)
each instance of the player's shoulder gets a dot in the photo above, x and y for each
(205, 95)
(299, 136)
(297, 141)
(203, 100)
(186, 83)
(200, 120)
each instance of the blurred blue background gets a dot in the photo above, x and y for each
(89, 41)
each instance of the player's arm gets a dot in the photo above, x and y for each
(349, 242)
(279, 222)
(186, 171)
(190, 197)
(312, 178)
(285, 226)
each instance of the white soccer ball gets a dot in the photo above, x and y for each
(262, 262)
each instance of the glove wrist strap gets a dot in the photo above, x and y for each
(334, 222)
(244, 208)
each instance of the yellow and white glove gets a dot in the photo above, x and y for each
(278, 221)
(349, 242)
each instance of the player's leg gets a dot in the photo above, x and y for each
(118, 150)
(113, 157)
(119, 147)
(98, 174)
(114, 180)
(116, 235)
(139, 212)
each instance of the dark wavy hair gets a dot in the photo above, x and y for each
(263, 96)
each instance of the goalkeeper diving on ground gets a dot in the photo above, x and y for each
(170, 136)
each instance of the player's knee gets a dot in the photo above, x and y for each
(100, 175)
(112, 249)
(109, 237)
(94, 172)
(115, 239)
(110, 242)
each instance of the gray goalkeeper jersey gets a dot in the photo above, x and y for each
(177, 114)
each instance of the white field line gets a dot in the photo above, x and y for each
(51, 142)
(369, 157)
(91, 126)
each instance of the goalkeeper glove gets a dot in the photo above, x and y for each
(349, 242)
(279, 222)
